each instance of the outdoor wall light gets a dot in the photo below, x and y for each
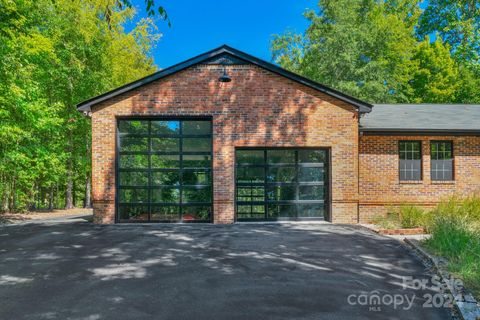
(225, 77)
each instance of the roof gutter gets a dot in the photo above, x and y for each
(419, 132)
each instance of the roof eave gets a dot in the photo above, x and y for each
(418, 131)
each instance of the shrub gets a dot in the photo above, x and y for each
(411, 216)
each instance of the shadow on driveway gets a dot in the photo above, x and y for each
(77, 270)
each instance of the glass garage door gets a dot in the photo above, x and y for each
(273, 184)
(164, 170)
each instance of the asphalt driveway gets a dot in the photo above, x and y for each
(77, 270)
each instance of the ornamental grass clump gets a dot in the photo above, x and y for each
(455, 235)
(412, 216)
(403, 217)
(388, 221)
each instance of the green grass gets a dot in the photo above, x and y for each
(455, 234)
(389, 221)
(412, 216)
(454, 226)
(406, 216)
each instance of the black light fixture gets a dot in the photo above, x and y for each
(224, 77)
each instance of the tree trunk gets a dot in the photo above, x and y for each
(4, 201)
(55, 199)
(88, 181)
(68, 192)
(13, 204)
(41, 193)
(74, 193)
(50, 199)
(33, 203)
(5, 197)
(88, 192)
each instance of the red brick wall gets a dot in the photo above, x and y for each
(258, 108)
(379, 183)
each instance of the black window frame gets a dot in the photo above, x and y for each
(180, 169)
(452, 160)
(400, 159)
(297, 184)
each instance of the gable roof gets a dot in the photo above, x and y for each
(426, 118)
(238, 56)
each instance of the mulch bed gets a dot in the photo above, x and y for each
(395, 232)
(403, 232)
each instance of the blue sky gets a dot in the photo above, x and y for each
(248, 25)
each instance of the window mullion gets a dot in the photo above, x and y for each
(441, 160)
(443, 168)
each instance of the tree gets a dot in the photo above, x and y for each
(54, 54)
(435, 74)
(360, 47)
(150, 8)
(380, 51)
(458, 24)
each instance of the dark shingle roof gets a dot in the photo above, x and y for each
(460, 118)
(362, 106)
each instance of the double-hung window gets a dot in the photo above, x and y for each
(441, 157)
(410, 153)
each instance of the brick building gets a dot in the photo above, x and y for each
(226, 137)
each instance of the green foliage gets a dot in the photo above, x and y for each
(453, 239)
(455, 234)
(450, 235)
(380, 51)
(458, 24)
(359, 47)
(404, 216)
(54, 54)
(454, 225)
(434, 74)
(412, 216)
(389, 221)
(150, 8)
(462, 208)
(469, 83)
